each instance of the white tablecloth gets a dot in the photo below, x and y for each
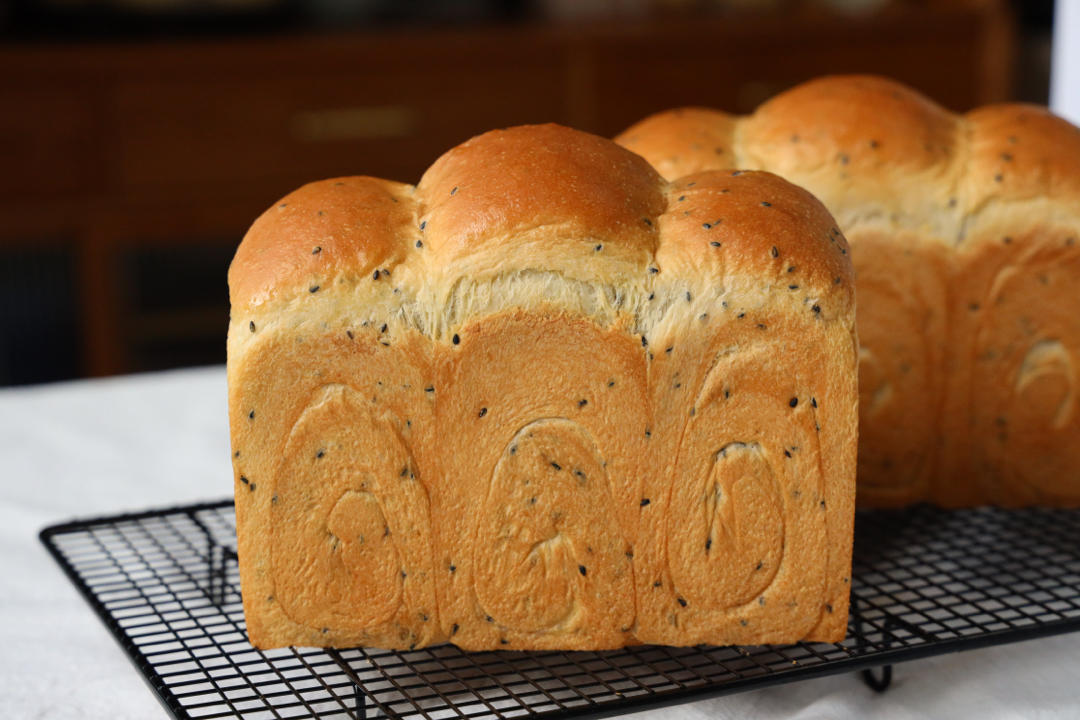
(98, 447)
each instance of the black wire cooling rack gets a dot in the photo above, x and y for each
(924, 582)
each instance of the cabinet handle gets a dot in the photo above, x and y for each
(374, 122)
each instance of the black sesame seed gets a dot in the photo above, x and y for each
(715, 243)
(419, 243)
(775, 252)
(453, 568)
(375, 276)
(556, 465)
(504, 641)
(822, 504)
(813, 402)
(998, 178)
(681, 198)
(648, 432)
(708, 544)
(765, 203)
(251, 326)
(316, 250)
(654, 270)
(644, 341)
(761, 601)
(611, 383)
(598, 248)
(236, 454)
(454, 629)
(875, 144)
(844, 159)
(483, 412)
(657, 584)
(741, 315)
(669, 349)
(581, 569)
(707, 226)
(816, 309)
(383, 328)
(243, 480)
(761, 326)
(404, 471)
(456, 339)
(744, 623)
(453, 190)
(792, 287)
(647, 221)
(736, 173)
(320, 454)
(251, 487)
(828, 608)
(349, 333)
(787, 453)
(489, 619)
(645, 501)
(313, 289)
(793, 401)
(1006, 157)
(682, 602)
(251, 415)
(582, 402)
(423, 225)
(430, 389)
(689, 297)
(1007, 240)
(760, 565)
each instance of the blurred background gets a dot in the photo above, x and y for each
(140, 138)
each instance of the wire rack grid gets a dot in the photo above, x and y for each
(924, 582)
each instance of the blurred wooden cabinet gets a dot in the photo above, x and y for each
(144, 162)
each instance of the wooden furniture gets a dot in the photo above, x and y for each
(136, 159)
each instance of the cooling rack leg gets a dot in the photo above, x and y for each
(359, 704)
(875, 683)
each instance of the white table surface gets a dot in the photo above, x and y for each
(99, 447)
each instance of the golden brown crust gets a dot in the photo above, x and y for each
(533, 388)
(953, 220)
(324, 229)
(703, 141)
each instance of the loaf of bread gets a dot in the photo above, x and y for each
(544, 399)
(964, 237)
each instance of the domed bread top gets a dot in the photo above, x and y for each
(751, 224)
(325, 228)
(1021, 152)
(704, 141)
(544, 193)
(533, 199)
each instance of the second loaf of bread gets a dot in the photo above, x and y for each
(544, 399)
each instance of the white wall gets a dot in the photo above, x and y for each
(1065, 64)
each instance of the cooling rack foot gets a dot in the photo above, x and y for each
(875, 683)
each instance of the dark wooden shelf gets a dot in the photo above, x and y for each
(112, 148)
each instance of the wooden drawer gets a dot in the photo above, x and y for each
(384, 122)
